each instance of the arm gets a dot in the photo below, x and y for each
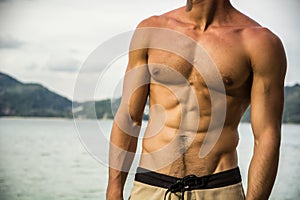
(267, 94)
(127, 122)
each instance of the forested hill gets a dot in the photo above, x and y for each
(34, 100)
(291, 112)
(19, 99)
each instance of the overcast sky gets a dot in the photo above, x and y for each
(47, 41)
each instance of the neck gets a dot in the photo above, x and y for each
(206, 12)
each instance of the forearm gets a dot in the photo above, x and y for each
(122, 151)
(116, 183)
(263, 167)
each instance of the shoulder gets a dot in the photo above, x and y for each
(161, 20)
(253, 34)
(148, 22)
(146, 30)
(153, 21)
(258, 36)
(265, 49)
(260, 41)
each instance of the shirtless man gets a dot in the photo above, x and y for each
(252, 65)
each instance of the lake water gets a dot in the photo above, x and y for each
(44, 159)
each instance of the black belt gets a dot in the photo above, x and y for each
(190, 182)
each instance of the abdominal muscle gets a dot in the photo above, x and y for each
(177, 153)
(172, 141)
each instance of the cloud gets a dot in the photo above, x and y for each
(61, 63)
(32, 66)
(9, 1)
(9, 42)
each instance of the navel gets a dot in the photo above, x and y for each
(183, 143)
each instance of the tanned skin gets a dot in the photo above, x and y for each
(252, 63)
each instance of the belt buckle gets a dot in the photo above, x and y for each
(177, 187)
(188, 181)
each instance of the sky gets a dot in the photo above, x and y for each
(48, 42)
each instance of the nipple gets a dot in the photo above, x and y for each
(228, 81)
(156, 71)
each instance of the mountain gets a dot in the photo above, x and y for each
(19, 99)
(104, 109)
(291, 112)
(92, 110)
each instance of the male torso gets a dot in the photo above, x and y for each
(199, 88)
(180, 96)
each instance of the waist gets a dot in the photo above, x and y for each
(190, 182)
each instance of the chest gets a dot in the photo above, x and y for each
(196, 59)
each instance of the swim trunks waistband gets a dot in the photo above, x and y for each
(190, 182)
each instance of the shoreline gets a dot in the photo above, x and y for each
(88, 119)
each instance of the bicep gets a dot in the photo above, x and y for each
(137, 77)
(267, 94)
(136, 84)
